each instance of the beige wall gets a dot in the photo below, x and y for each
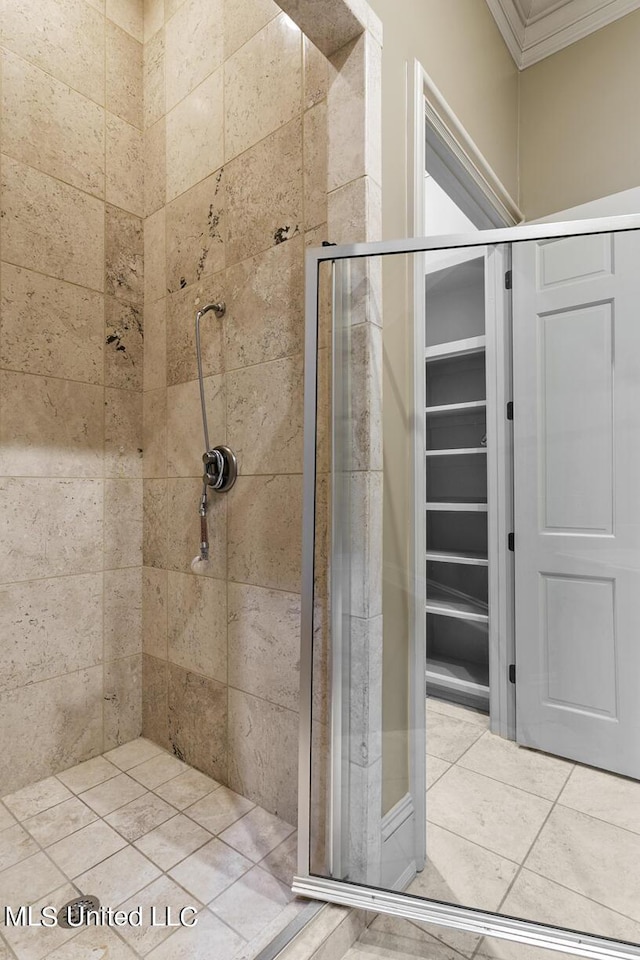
(579, 136)
(70, 384)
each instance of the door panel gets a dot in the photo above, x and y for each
(577, 484)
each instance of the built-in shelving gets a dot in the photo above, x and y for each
(469, 557)
(456, 601)
(456, 348)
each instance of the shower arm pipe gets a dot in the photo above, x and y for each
(218, 309)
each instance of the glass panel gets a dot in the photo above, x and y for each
(512, 786)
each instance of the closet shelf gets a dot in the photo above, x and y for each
(456, 348)
(450, 556)
(458, 609)
(456, 452)
(445, 408)
(459, 507)
(461, 675)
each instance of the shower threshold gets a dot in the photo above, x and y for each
(181, 866)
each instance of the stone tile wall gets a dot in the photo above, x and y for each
(70, 383)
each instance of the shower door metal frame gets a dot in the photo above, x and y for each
(353, 894)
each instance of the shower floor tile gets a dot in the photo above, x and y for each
(140, 829)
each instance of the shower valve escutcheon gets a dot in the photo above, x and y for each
(220, 468)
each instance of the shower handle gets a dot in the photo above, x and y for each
(220, 468)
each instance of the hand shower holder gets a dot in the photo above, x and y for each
(220, 468)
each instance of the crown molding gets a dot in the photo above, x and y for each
(530, 41)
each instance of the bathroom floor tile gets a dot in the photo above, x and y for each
(173, 841)
(140, 816)
(95, 943)
(252, 902)
(84, 849)
(36, 798)
(15, 845)
(157, 770)
(34, 943)
(208, 938)
(282, 861)
(605, 796)
(29, 881)
(528, 770)
(210, 870)
(120, 876)
(457, 712)
(168, 899)
(257, 834)
(88, 774)
(435, 768)
(219, 810)
(132, 753)
(60, 821)
(448, 738)
(6, 819)
(114, 793)
(494, 815)
(186, 788)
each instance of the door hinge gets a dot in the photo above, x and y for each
(512, 673)
(511, 541)
(508, 280)
(510, 410)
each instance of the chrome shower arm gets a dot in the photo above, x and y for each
(219, 310)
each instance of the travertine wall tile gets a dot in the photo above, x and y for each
(265, 521)
(316, 74)
(51, 227)
(155, 347)
(153, 79)
(125, 169)
(155, 706)
(128, 14)
(185, 439)
(155, 167)
(271, 286)
(195, 136)
(122, 701)
(153, 16)
(263, 753)
(315, 167)
(67, 610)
(196, 226)
(50, 530)
(264, 416)
(189, 63)
(49, 427)
(73, 147)
(49, 327)
(123, 345)
(181, 347)
(122, 434)
(155, 285)
(155, 523)
(155, 433)
(198, 721)
(124, 256)
(63, 37)
(50, 726)
(242, 21)
(122, 523)
(266, 180)
(264, 643)
(197, 624)
(154, 612)
(122, 613)
(272, 60)
(124, 75)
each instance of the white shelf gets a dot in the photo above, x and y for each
(450, 556)
(460, 675)
(460, 507)
(446, 408)
(456, 452)
(456, 348)
(456, 608)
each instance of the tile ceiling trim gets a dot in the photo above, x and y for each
(530, 42)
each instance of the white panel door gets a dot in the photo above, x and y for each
(576, 337)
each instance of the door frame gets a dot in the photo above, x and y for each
(464, 173)
(358, 895)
